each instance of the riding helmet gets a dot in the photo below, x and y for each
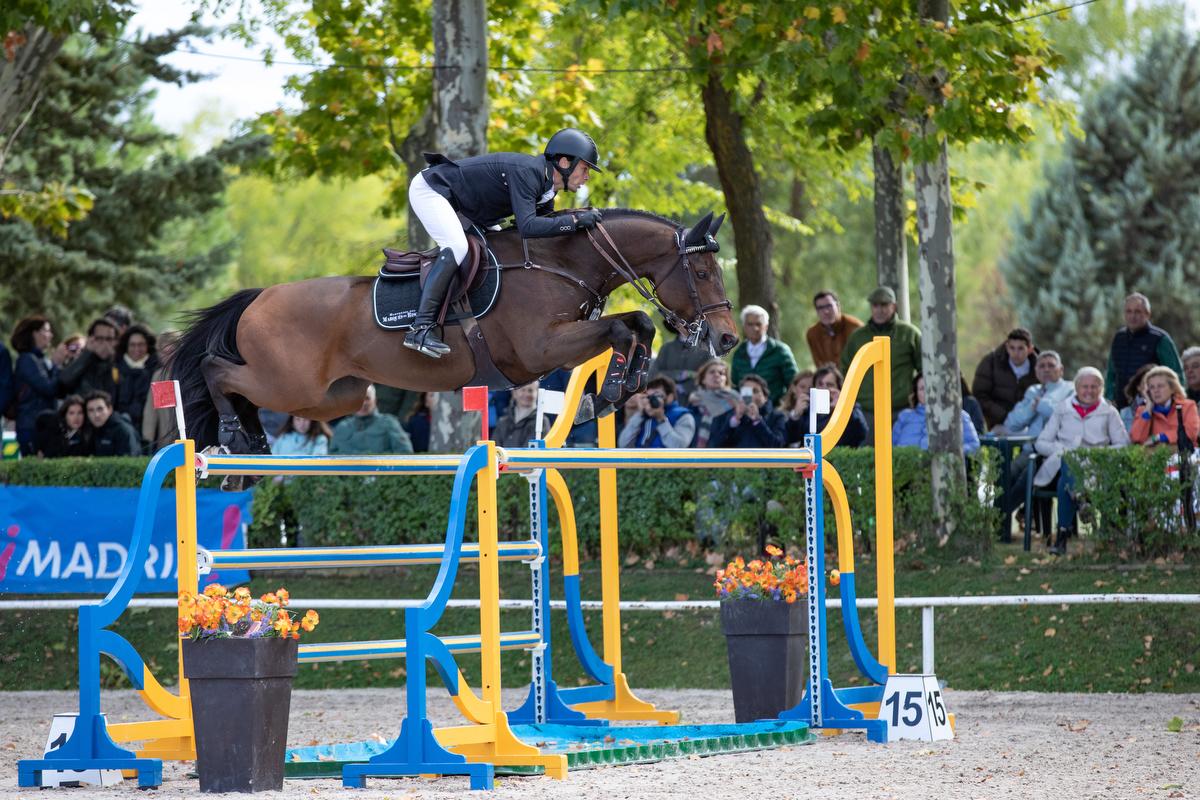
(575, 145)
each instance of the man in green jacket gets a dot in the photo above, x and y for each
(906, 350)
(368, 431)
(770, 359)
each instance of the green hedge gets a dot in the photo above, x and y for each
(658, 510)
(1131, 508)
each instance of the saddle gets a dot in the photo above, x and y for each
(407, 262)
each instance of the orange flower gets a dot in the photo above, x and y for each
(214, 590)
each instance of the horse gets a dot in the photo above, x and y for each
(311, 347)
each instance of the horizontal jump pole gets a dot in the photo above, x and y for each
(398, 648)
(523, 460)
(327, 465)
(280, 558)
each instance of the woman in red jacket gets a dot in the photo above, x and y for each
(1158, 421)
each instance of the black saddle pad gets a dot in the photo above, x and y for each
(396, 296)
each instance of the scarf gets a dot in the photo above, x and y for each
(1083, 411)
(139, 364)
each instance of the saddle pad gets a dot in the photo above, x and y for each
(396, 297)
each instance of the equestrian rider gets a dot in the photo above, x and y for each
(486, 190)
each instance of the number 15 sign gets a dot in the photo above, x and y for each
(914, 708)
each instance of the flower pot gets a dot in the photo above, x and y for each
(768, 648)
(241, 694)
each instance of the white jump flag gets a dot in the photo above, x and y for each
(549, 402)
(166, 394)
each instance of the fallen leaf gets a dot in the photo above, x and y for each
(1050, 633)
(1010, 560)
(1078, 727)
(1174, 726)
(1046, 672)
(681, 597)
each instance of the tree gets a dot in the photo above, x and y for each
(92, 129)
(1119, 213)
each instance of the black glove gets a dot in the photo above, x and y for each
(588, 218)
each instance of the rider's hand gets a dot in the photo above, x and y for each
(588, 218)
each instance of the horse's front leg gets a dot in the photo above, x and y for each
(639, 358)
(578, 341)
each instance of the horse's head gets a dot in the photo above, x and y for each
(692, 288)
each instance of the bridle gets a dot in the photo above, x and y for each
(691, 329)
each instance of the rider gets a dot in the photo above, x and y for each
(486, 190)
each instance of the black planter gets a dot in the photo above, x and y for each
(768, 648)
(241, 694)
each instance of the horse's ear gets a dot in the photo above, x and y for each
(697, 233)
(715, 225)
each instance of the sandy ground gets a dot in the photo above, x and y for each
(1018, 745)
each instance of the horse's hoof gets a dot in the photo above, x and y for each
(606, 409)
(233, 483)
(587, 409)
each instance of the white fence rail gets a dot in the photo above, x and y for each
(926, 604)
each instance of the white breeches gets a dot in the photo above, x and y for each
(438, 216)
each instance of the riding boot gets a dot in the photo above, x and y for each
(425, 336)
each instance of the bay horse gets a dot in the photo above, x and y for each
(310, 348)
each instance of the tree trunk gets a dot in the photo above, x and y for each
(939, 343)
(20, 77)
(460, 82)
(891, 249)
(420, 139)
(743, 198)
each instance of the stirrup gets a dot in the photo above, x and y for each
(425, 341)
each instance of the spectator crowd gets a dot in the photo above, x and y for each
(89, 395)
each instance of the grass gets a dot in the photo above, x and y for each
(1089, 648)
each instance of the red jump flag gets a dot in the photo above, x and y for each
(475, 398)
(166, 394)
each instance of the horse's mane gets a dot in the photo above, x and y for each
(636, 212)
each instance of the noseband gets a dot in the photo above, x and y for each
(691, 329)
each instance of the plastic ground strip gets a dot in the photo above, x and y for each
(585, 747)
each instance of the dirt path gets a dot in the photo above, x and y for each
(1018, 745)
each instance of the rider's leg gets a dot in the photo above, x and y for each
(442, 224)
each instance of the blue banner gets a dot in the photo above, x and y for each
(59, 540)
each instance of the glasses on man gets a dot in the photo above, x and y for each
(826, 307)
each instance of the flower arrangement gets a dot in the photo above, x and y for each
(218, 613)
(776, 577)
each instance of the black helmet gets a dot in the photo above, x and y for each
(575, 145)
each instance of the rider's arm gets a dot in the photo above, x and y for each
(524, 193)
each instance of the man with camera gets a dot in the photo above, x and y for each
(753, 422)
(654, 419)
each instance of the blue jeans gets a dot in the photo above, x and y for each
(1066, 503)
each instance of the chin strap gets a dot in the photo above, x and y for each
(565, 172)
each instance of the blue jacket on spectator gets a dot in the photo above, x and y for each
(767, 432)
(1029, 416)
(35, 383)
(910, 430)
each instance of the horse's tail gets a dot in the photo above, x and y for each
(210, 332)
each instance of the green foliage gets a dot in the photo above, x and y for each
(1131, 509)
(92, 131)
(1118, 213)
(65, 16)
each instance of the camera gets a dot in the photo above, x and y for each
(655, 400)
(747, 394)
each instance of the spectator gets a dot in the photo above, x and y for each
(368, 431)
(1158, 421)
(1136, 344)
(72, 346)
(419, 420)
(452, 430)
(120, 317)
(34, 380)
(1029, 416)
(713, 398)
(798, 391)
(752, 422)
(1083, 420)
(1136, 396)
(679, 363)
(1004, 375)
(108, 434)
(516, 426)
(828, 337)
(137, 360)
(971, 406)
(94, 370)
(1191, 372)
(159, 427)
(911, 429)
(301, 436)
(654, 419)
(66, 433)
(769, 359)
(830, 379)
(906, 349)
